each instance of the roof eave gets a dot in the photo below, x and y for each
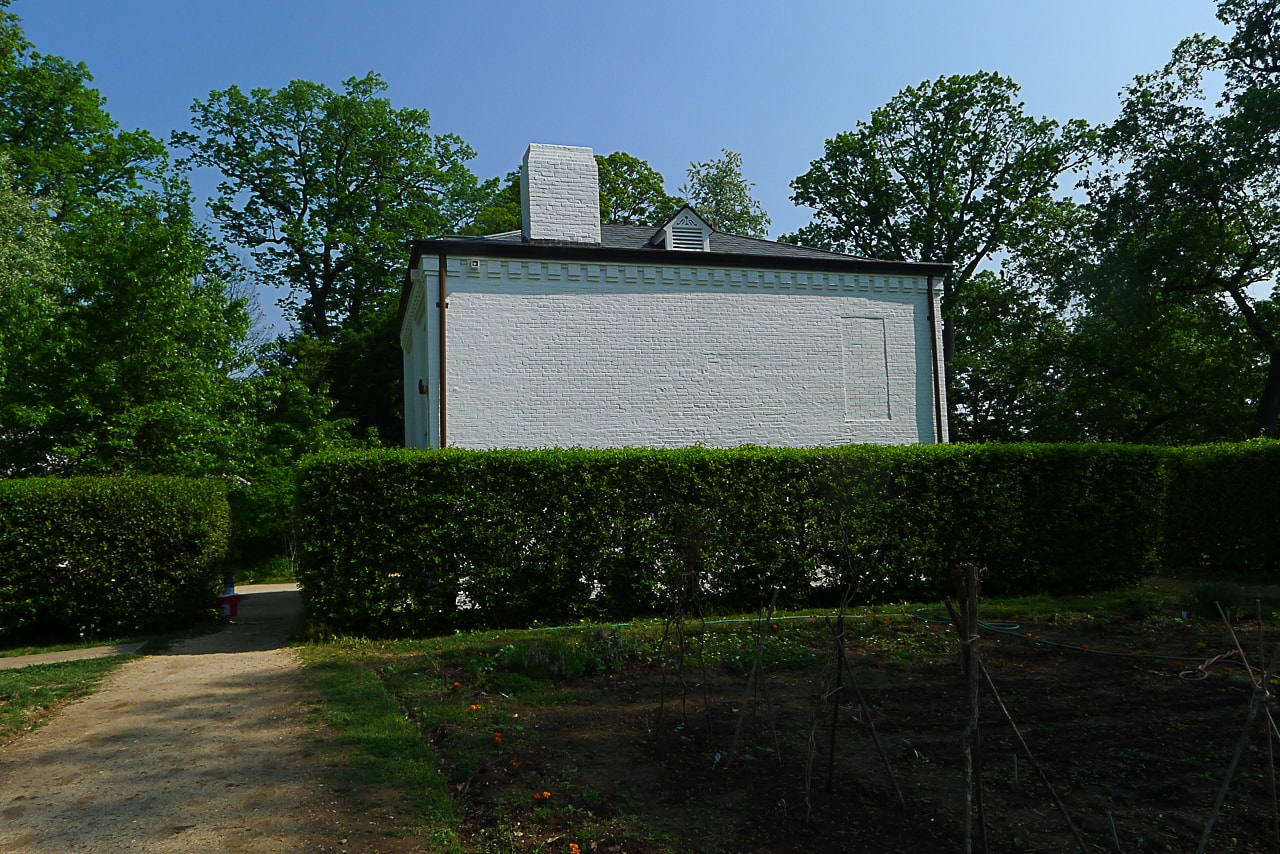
(590, 253)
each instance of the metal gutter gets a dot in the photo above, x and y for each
(441, 305)
(933, 363)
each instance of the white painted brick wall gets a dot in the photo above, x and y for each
(560, 194)
(548, 354)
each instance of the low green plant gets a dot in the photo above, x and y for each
(1208, 597)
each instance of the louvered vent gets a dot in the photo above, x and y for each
(686, 238)
(686, 230)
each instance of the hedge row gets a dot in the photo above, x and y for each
(1224, 509)
(405, 542)
(108, 556)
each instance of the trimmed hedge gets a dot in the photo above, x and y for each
(109, 556)
(412, 542)
(1224, 510)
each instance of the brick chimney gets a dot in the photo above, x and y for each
(560, 194)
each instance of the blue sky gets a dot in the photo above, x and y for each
(669, 82)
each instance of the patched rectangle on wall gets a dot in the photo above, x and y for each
(866, 368)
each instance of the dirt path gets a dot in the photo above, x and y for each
(204, 748)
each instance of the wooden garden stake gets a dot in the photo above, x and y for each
(1256, 702)
(966, 624)
(865, 710)
(835, 706)
(1271, 725)
(757, 669)
(1044, 778)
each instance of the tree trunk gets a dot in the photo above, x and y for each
(1264, 423)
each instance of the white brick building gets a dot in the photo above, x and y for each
(573, 333)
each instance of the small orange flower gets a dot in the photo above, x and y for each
(546, 796)
(514, 762)
(574, 849)
(537, 796)
(1177, 664)
(457, 684)
(474, 707)
(497, 737)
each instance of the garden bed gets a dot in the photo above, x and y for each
(600, 738)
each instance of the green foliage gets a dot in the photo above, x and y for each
(109, 556)
(64, 147)
(632, 192)
(501, 213)
(153, 335)
(121, 337)
(946, 171)
(1189, 221)
(1224, 510)
(325, 187)
(280, 412)
(404, 542)
(31, 271)
(722, 196)
(952, 170)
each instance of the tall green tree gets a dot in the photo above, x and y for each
(632, 192)
(1189, 208)
(63, 147)
(153, 337)
(720, 193)
(952, 170)
(130, 335)
(325, 187)
(31, 277)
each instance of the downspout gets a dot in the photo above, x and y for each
(937, 380)
(444, 398)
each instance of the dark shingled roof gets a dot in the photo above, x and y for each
(638, 237)
(631, 244)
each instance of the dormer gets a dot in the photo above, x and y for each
(685, 231)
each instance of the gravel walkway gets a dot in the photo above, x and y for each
(204, 748)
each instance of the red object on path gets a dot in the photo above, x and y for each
(227, 604)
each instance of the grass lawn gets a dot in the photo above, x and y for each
(29, 696)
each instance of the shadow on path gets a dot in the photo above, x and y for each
(267, 617)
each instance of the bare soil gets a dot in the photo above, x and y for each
(1133, 722)
(204, 748)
